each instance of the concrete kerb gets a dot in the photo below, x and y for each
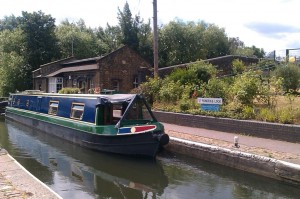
(13, 171)
(265, 166)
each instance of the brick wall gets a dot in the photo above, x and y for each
(285, 132)
(122, 65)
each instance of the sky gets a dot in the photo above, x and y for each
(268, 24)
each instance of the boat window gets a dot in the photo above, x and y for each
(138, 113)
(27, 103)
(53, 107)
(77, 111)
(118, 110)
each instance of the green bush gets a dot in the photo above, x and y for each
(204, 71)
(150, 89)
(246, 87)
(291, 76)
(285, 116)
(216, 88)
(238, 67)
(267, 115)
(170, 91)
(68, 90)
(248, 112)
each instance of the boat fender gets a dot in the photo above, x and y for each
(163, 139)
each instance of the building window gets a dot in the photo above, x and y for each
(59, 83)
(91, 83)
(116, 85)
(53, 108)
(77, 111)
(136, 82)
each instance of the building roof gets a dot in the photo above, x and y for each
(73, 69)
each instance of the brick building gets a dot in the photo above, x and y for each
(121, 70)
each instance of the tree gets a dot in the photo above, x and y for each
(77, 40)
(250, 52)
(8, 23)
(128, 27)
(41, 43)
(135, 33)
(111, 37)
(215, 42)
(12, 64)
(11, 73)
(235, 43)
(181, 42)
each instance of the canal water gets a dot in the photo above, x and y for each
(77, 173)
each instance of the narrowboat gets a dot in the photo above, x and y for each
(117, 123)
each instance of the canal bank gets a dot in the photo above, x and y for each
(275, 159)
(17, 182)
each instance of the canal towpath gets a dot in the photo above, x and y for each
(277, 149)
(16, 182)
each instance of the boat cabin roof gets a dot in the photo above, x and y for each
(113, 98)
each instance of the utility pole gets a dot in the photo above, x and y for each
(155, 39)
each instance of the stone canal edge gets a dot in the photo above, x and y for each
(17, 182)
(257, 164)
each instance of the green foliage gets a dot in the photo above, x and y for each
(170, 91)
(248, 112)
(188, 104)
(238, 67)
(184, 76)
(41, 43)
(184, 42)
(291, 76)
(150, 89)
(216, 88)
(11, 75)
(285, 116)
(181, 42)
(12, 65)
(267, 115)
(68, 90)
(215, 41)
(249, 51)
(246, 87)
(204, 71)
(76, 39)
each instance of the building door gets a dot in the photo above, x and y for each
(55, 84)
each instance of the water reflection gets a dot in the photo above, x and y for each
(94, 174)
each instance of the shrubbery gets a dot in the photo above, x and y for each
(291, 76)
(250, 94)
(67, 90)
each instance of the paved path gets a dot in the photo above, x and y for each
(17, 183)
(273, 148)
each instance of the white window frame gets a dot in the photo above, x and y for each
(53, 82)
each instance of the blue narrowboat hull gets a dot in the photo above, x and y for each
(141, 144)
